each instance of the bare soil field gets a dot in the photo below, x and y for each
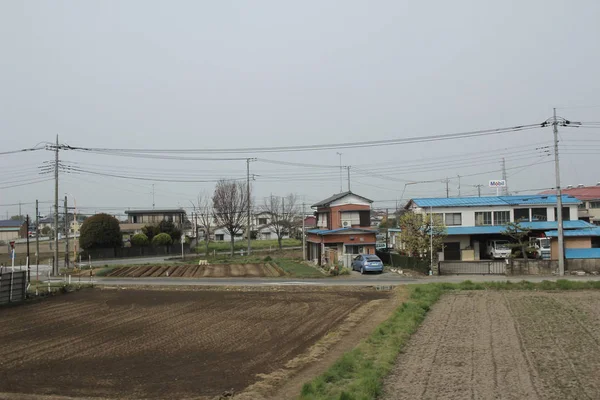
(503, 345)
(178, 344)
(198, 271)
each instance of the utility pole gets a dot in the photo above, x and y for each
(303, 234)
(447, 187)
(478, 190)
(248, 202)
(20, 210)
(387, 229)
(431, 239)
(348, 177)
(153, 196)
(341, 170)
(28, 270)
(561, 238)
(55, 263)
(505, 188)
(37, 241)
(458, 185)
(66, 234)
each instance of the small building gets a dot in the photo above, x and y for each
(154, 217)
(264, 228)
(12, 230)
(584, 238)
(343, 229)
(222, 235)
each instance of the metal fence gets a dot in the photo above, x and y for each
(13, 285)
(472, 267)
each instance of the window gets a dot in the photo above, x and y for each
(219, 237)
(582, 206)
(453, 219)
(594, 204)
(521, 214)
(566, 214)
(352, 249)
(438, 218)
(262, 221)
(501, 217)
(539, 214)
(483, 218)
(351, 218)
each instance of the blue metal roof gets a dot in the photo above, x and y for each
(582, 253)
(577, 232)
(11, 223)
(340, 230)
(498, 229)
(493, 201)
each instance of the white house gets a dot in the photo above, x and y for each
(222, 235)
(473, 221)
(264, 229)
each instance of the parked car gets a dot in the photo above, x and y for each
(367, 263)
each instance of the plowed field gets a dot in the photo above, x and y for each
(159, 344)
(198, 271)
(503, 345)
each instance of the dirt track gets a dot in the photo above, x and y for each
(503, 345)
(198, 271)
(160, 344)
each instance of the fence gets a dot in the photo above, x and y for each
(136, 251)
(404, 262)
(472, 267)
(13, 285)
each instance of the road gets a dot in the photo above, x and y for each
(387, 279)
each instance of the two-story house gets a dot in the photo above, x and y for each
(343, 229)
(471, 222)
(589, 209)
(264, 229)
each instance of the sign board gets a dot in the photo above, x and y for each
(497, 183)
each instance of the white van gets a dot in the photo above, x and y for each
(498, 249)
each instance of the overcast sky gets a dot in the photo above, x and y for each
(217, 74)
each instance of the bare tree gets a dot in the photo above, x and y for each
(282, 212)
(204, 217)
(230, 207)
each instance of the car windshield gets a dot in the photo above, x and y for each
(372, 258)
(502, 245)
(545, 243)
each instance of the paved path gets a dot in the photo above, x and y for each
(361, 280)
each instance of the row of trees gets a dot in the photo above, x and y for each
(228, 208)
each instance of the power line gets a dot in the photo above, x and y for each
(279, 149)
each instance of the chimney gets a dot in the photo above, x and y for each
(580, 185)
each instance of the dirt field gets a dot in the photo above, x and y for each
(157, 344)
(503, 345)
(199, 271)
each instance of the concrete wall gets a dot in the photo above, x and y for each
(591, 265)
(570, 243)
(532, 267)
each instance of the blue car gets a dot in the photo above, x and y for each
(367, 263)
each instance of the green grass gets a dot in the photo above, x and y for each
(359, 373)
(297, 269)
(243, 245)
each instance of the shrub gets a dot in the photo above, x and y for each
(162, 239)
(139, 239)
(100, 231)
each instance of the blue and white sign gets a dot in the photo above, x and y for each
(497, 183)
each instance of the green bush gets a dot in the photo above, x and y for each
(140, 239)
(162, 239)
(100, 231)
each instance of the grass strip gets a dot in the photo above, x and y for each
(359, 373)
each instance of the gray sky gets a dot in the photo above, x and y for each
(200, 74)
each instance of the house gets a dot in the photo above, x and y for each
(343, 229)
(472, 222)
(147, 217)
(12, 229)
(589, 209)
(583, 239)
(222, 235)
(264, 229)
